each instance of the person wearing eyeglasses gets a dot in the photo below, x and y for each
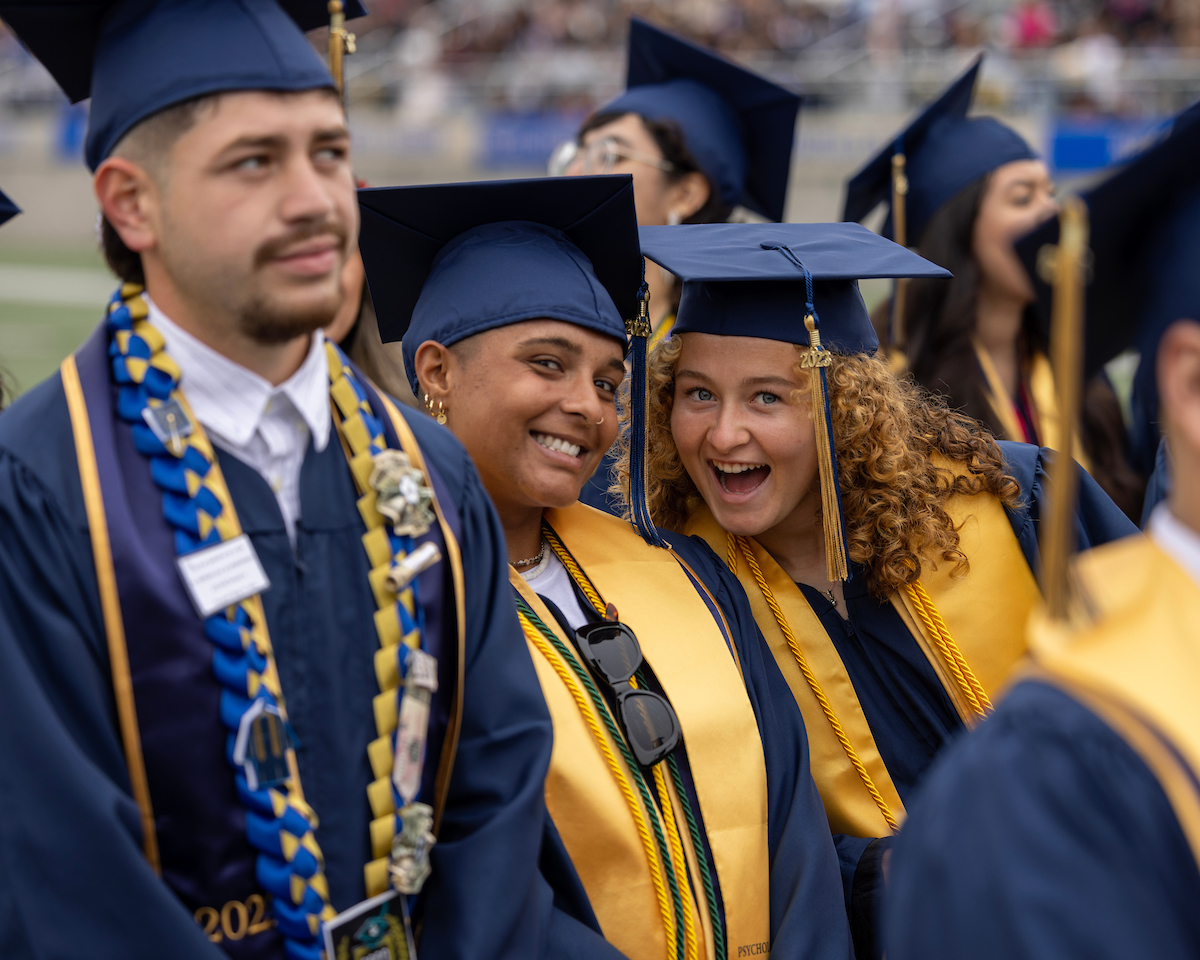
(700, 136)
(683, 821)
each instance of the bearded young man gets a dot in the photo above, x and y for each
(256, 642)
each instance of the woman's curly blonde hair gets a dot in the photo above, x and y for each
(886, 432)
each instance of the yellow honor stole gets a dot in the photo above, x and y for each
(1137, 663)
(1042, 397)
(602, 821)
(971, 628)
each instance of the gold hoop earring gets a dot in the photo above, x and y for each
(600, 421)
(440, 414)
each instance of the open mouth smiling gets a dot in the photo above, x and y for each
(739, 479)
(560, 446)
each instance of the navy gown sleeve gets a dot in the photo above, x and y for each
(808, 914)
(595, 492)
(73, 880)
(1159, 485)
(1097, 519)
(486, 897)
(1042, 836)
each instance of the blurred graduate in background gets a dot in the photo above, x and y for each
(8, 210)
(960, 190)
(1069, 823)
(683, 818)
(701, 136)
(887, 544)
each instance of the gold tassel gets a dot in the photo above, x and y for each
(900, 235)
(341, 43)
(815, 360)
(1065, 268)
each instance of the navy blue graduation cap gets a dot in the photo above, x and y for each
(739, 126)
(446, 262)
(749, 280)
(8, 209)
(931, 160)
(794, 282)
(1144, 233)
(135, 58)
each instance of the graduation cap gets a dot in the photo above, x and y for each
(739, 126)
(794, 282)
(135, 58)
(446, 262)
(751, 283)
(1144, 226)
(931, 160)
(8, 209)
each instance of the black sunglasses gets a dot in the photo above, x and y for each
(649, 721)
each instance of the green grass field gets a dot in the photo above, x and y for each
(50, 299)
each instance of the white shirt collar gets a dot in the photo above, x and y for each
(230, 401)
(1176, 539)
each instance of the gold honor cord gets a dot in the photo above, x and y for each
(742, 545)
(970, 687)
(539, 636)
(664, 796)
(968, 684)
(110, 603)
(1065, 268)
(900, 235)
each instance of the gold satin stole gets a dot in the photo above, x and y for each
(1135, 662)
(985, 612)
(1042, 397)
(685, 647)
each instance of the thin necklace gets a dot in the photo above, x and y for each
(532, 560)
(832, 598)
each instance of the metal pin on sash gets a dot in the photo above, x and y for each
(170, 423)
(409, 862)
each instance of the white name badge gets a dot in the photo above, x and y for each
(220, 576)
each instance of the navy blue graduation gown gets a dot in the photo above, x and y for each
(596, 493)
(1159, 485)
(910, 715)
(1043, 835)
(808, 918)
(75, 883)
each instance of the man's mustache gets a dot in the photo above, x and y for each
(279, 246)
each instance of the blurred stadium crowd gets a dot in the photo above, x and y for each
(793, 26)
(1103, 57)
